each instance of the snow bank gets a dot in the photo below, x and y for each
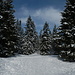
(35, 65)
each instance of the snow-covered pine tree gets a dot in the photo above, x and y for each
(30, 44)
(8, 35)
(67, 32)
(1, 24)
(1, 9)
(20, 35)
(55, 40)
(54, 29)
(45, 40)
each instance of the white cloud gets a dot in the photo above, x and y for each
(23, 20)
(40, 16)
(46, 14)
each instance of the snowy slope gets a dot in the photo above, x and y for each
(35, 65)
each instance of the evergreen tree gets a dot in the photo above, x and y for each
(45, 40)
(31, 38)
(67, 31)
(8, 34)
(54, 29)
(1, 23)
(1, 9)
(55, 40)
(20, 35)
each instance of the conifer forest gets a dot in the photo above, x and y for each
(16, 40)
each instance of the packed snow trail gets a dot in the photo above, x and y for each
(35, 65)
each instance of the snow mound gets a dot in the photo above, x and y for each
(35, 65)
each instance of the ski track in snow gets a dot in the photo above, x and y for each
(35, 65)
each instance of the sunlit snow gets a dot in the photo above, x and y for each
(65, 23)
(35, 65)
(1, 17)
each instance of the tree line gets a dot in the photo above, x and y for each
(14, 40)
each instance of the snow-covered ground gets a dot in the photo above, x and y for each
(35, 65)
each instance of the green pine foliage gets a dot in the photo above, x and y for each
(45, 40)
(14, 40)
(8, 33)
(31, 38)
(20, 32)
(54, 29)
(55, 42)
(1, 23)
(67, 32)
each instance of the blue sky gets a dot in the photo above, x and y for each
(40, 11)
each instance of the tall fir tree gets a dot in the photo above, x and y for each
(67, 32)
(20, 35)
(45, 40)
(1, 9)
(8, 34)
(31, 37)
(1, 23)
(55, 40)
(54, 29)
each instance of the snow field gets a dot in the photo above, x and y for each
(35, 65)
